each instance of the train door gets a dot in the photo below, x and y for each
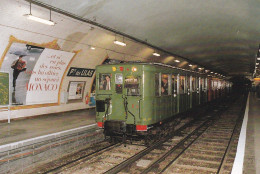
(206, 90)
(197, 83)
(131, 97)
(202, 92)
(213, 82)
(178, 94)
(103, 99)
(165, 103)
(209, 89)
(182, 95)
(174, 94)
(156, 103)
(193, 91)
(189, 92)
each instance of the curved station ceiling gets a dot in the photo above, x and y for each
(222, 35)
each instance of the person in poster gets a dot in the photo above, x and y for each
(18, 66)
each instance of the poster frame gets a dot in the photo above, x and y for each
(83, 90)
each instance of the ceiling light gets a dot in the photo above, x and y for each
(190, 64)
(177, 61)
(120, 43)
(156, 54)
(258, 58)
(37, 19)
(257, 63)
(93, 48)
(200, 68)
(211, 72)
(44, 21)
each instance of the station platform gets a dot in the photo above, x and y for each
(247, 159)
(22, 129)
(27, 143)
(252, 150)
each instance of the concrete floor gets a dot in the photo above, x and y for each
(23, 129)
(252, 149)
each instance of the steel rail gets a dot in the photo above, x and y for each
(197, 130)
(80, 158)
(230, 140)
(139, 155)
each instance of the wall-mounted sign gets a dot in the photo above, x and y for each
(76, 90)
(80, 72)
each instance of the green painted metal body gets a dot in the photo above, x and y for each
(146, 108)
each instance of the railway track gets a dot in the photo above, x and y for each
(105, 158)
(210, 148)
(198, 146)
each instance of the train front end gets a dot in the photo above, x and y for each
(118, 99)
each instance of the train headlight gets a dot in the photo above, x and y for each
(134, 69)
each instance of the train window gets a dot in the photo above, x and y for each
(157, 84)
(104, 82)
(119, 83)
(182, 81)
(119, 79)
(132, 85)
(165, 84)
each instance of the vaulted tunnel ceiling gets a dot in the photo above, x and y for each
(223, 35)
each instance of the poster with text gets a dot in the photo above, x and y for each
(35, 73)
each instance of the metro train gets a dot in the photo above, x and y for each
(137, 99)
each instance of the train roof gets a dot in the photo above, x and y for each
(153, 64)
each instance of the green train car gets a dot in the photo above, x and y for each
(135, 98)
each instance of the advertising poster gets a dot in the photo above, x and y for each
(4, 89)
(76, 90)
(35, 73)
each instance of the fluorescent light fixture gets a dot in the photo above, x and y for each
(257, 63)
(93, 48)
(211, 72)
(120, 43)
(258, 58)
(190, 64)
(156, 54)
(44, 21)
(177, 61)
